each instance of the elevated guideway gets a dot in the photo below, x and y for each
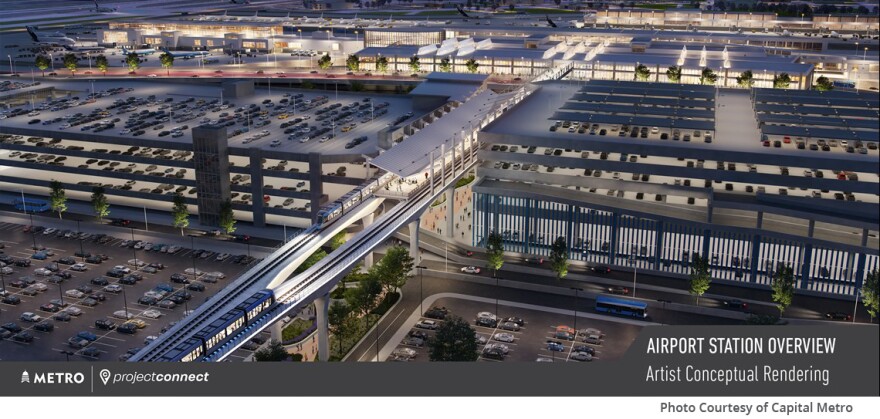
(293, 293)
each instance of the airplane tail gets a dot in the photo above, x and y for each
(32, 33)
(124, 51)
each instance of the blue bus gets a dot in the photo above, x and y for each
(31, 205)
(621, 307)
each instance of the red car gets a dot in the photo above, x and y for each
(600, 269)
(766, 143)
(50, 308)
(618, 290)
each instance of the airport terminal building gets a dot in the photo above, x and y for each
(645, 175)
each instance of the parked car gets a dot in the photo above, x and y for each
(427, 324)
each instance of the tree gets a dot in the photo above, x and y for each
(707, 76)
(102, 63)
(42, 62)
(363, 297)
(823, 84)
(227, 217)
(781, 81)
(99, 203)
(337, 240)
(445, 65)
(642, 73)
(167, 61)
(353, 62)
(745, 79)
(871, 293)
(325, 62)
(455, 341)
(314, 258)
(338, 316)
(180, 213)
(494, 252)
(559, 257)
(274, 352)
(700, 276)
(414, 65)
(472, 65)
(783, 287)
(132, 61)
(70, 62)
(673, 73)
(394, 269)
(57, 197)
(382, 65)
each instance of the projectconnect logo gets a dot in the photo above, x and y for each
(53, 378)
(108, 377)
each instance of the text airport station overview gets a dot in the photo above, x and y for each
(208, 181)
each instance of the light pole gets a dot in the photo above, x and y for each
(124, 302)
(89, 58)
(133, 249)
(632, 261)
(78, 235)
(11, 66)
(357, 37)
(855, 305)
(3, 280)
(147, 225)
(576, 290)
(52, 61)
(67, 354)
(865, 54)
(421, 280)
(328, 33)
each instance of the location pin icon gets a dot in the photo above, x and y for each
(105, 375)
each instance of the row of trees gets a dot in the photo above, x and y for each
(353, 63)
(71, 62)
(709, 77)
(383, 279)
(101, 207)
(783, 283)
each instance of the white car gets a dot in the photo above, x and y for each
(39, 286)
(6, 270)
(481, 340)
(173, 249)
(503, 337)
(42, 272)
(74, 293)
(113, 288)
(152, 75)
(152, 314)
(470, 270)
(73, 311)
(427, 324)
(122, 269)
(504, 348)
(79, 267)
(581, 356)
(30, 317)
(190, 271)
(122, 314)
(487, 315)
(404, 354)
(135, 262)
(218, 275)
(222, 256)
(149, 339)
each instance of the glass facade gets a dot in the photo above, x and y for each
(529, 226)
(388, 38)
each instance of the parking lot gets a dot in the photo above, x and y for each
(79, 290)
(531, 342)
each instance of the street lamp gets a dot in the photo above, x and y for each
(421, 280)
(328, 33)
(356, 36)
(52, 61)
(11, 66)
(89, 57)
(865, 54)
(78, 235)
(133, 250)
(855, 305)
(632, 261)
(124, 302)
(67, 354)
(576, 290)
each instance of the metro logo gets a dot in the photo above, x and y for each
(58, 378)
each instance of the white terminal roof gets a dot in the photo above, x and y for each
(412, 155)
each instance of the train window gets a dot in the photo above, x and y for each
(235, 325)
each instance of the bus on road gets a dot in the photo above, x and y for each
(31, 205)
(621, 307)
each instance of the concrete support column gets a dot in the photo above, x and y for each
(860, 264)
(753, 259)
(276, 330)
(368, 258)
(321, 306)
(450, 211)
(414, 241)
